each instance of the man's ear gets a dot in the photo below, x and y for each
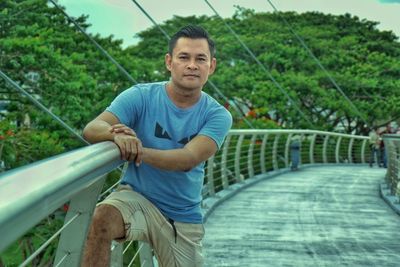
(213, 66)
(168, 60)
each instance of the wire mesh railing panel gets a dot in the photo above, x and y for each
(331, 149)
(305, 146)
(343, 150)
(211, 167)
(231, 159)
(318, 149)
(357, 151)
(392, 149)
(257, 155)
(244, 157)
(268, 147)
(280, 152)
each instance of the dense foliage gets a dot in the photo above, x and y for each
(362, 60)
(53, 61)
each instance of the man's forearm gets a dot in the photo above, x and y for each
(98, 131)
(171, 160)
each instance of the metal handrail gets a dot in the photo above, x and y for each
(392, 152)
(36, 190)
(30, 193)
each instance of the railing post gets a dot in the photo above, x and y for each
(393, 164)
(237, 158)
(117, 257)
(224, 157)
(337, 150)
(287, 147)
(275, 152)
(301, 139)
(312, 146)
(146, 255)
(392, 156)
(395, 167)
(262, 154)
(325, 149)
(364, 144)
(350, 150)
(210, 176)
(72, 239)
(250, 156)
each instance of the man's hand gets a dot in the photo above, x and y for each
(128, 143)
(122, 128)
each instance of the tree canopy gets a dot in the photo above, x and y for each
(55, 63)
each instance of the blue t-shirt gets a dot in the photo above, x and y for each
(160, 124)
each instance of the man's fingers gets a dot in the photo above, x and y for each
(132, 153)
(130, 147)
(115, 127)
(118, 130)
(121, 149)
(121, 128)
(118, 125)
(139, 153)
(129, 132)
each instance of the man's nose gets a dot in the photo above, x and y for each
(192, 65)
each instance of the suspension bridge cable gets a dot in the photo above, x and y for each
(125, 72)
(41, 106)
(102, 50)
(318, 62)
(152, 20)
(219, 93)
(121, 68)
(260, 64)
(47, 111)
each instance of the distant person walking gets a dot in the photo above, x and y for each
(295, 152)
(389, 130)
(374, 145)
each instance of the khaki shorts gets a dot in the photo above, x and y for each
(144, 222)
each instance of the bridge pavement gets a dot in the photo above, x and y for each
(319, 216)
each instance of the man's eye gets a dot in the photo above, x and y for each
(183, 57)
(201, 59)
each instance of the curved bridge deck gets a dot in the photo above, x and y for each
(317, 216)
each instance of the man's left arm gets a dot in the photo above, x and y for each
(199, 149)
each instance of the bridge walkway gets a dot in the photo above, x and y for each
(317, 216)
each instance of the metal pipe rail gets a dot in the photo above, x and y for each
(31, 193)
(248, 153)
(392, 151)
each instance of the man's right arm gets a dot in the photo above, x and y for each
(99, 129)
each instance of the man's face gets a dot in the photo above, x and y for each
(190, 64)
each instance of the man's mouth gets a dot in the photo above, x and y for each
(191, 75)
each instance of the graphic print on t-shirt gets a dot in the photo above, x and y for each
(186, 140)
(160, 132)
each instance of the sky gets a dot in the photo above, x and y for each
(123, 19)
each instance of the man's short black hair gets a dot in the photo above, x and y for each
(192, 32)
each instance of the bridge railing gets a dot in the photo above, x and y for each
(247, 153)
(392, 149)
(33, 192)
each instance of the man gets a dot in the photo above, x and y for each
(167, 131)
(383, 150)
(374, 145)
(295, 151)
